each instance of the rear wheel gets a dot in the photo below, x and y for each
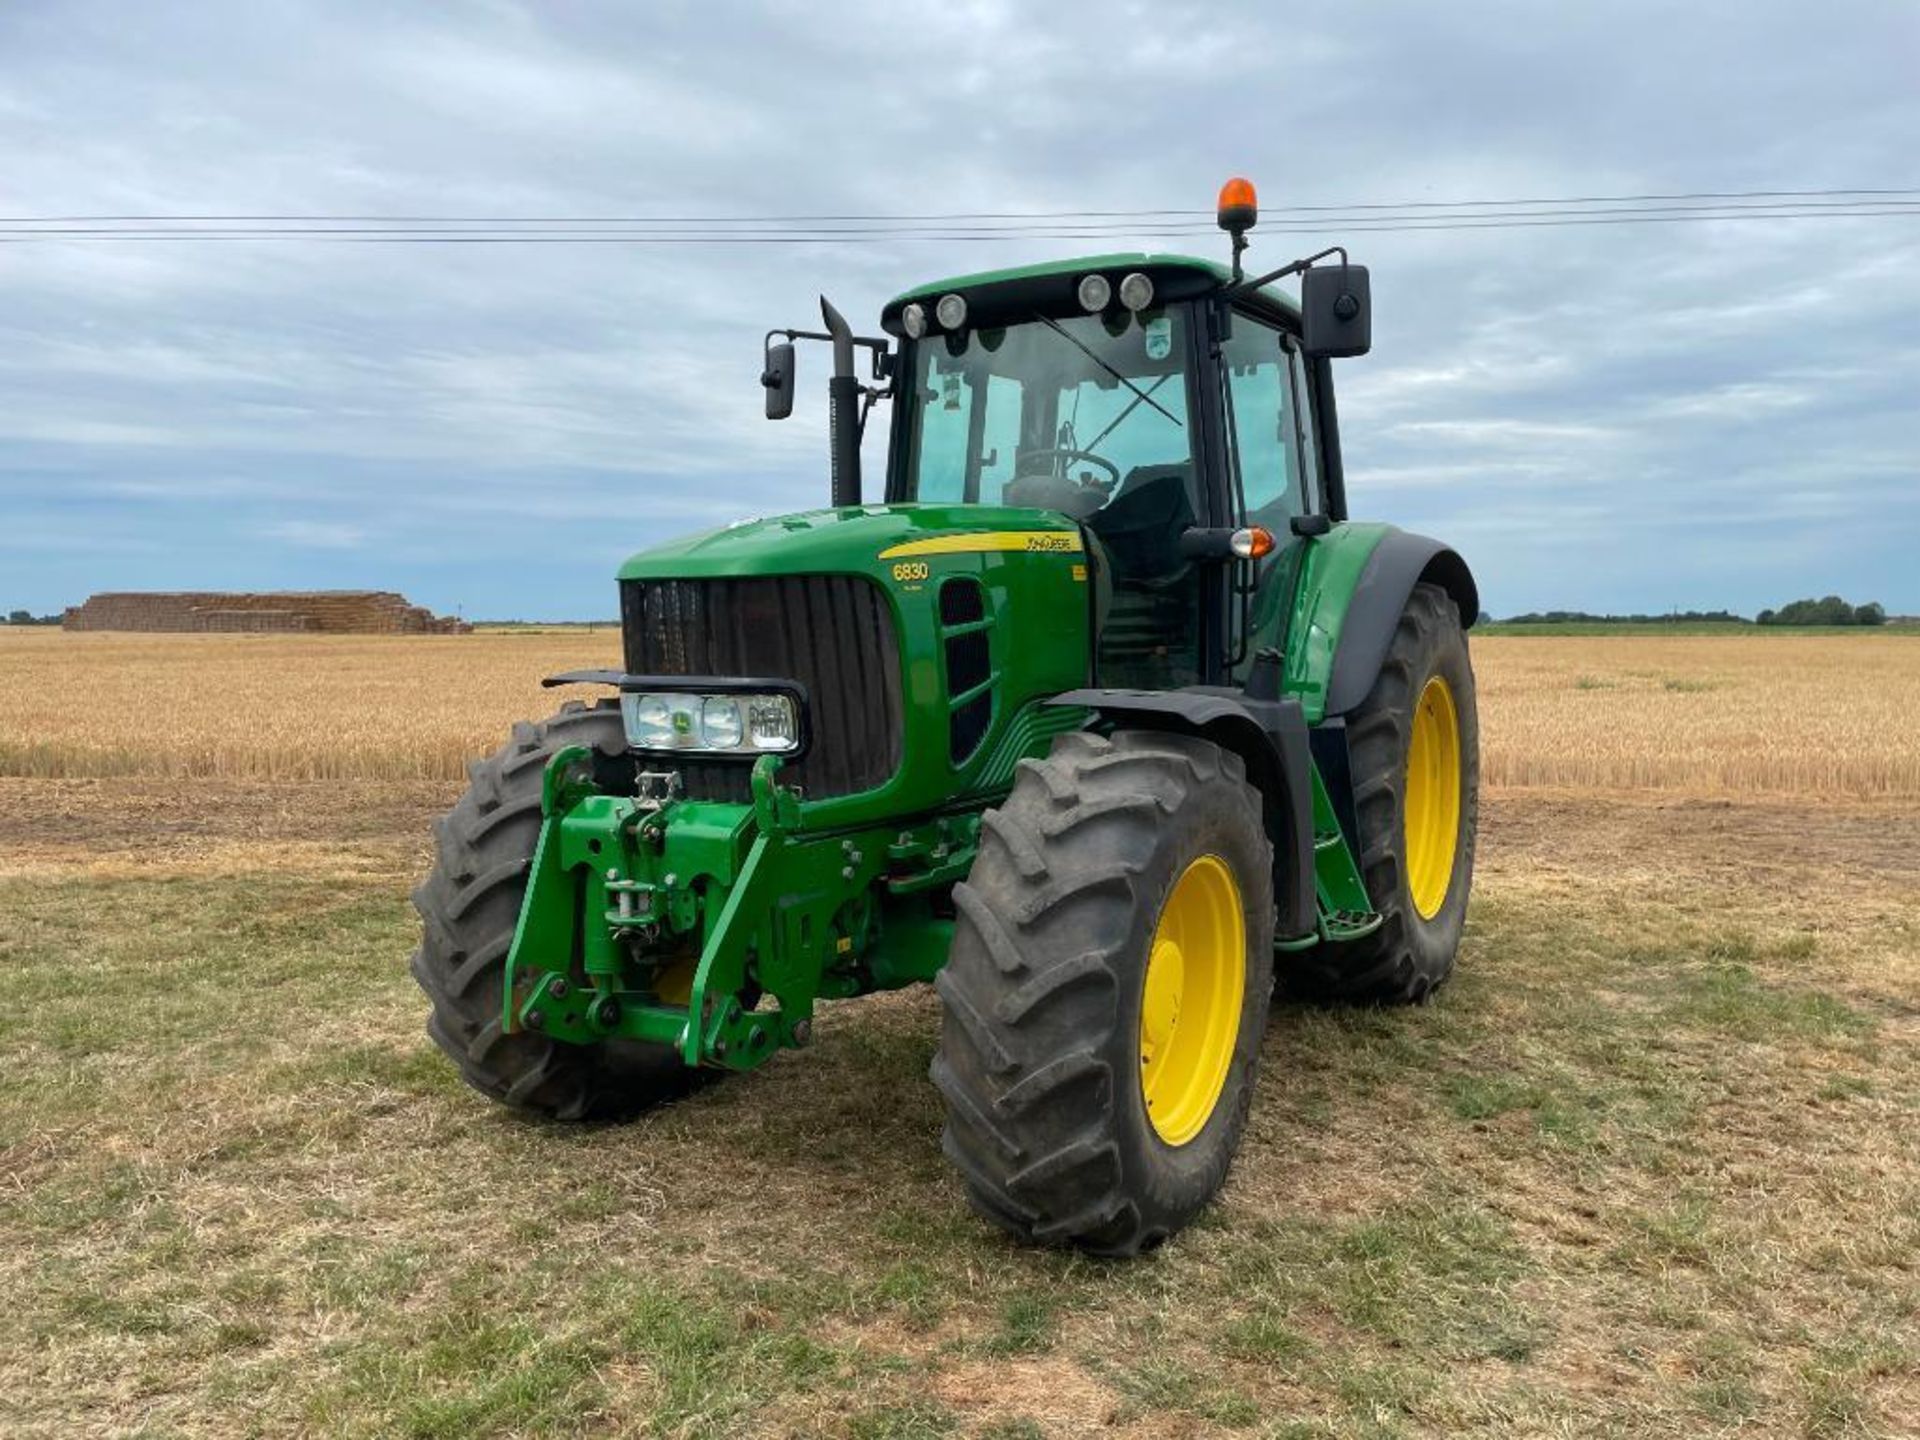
(1107, 990)
(469, 904)
(1414, 751)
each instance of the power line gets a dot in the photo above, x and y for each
(1091, 227)
(324, 235)
(1844, 196)
(1412, 217)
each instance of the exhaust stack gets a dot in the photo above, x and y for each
(843, 409)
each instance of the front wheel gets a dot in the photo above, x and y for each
(1107, 990)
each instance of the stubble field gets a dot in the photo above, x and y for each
(1741, 714)
(1648, 1166)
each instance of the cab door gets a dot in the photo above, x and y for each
(1272, 476)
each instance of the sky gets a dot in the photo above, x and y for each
(1618, 417)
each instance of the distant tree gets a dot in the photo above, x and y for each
(20, 617)
(1827, 610)
(1765, 617)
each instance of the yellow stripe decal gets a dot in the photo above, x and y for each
(1042, 542)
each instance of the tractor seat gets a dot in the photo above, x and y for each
(1141, 526)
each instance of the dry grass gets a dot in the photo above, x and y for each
(1731, 715)
(1645, 1168)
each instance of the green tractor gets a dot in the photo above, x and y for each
(1103, 718)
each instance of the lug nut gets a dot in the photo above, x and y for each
(536, 1020)
(558, 990)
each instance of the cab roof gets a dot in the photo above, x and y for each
(1050, 287)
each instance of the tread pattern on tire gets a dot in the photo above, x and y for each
(1033, 990)
(1406, 959)
(469, 904)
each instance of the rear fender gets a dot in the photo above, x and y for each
(1347, 595)
(1398, 563)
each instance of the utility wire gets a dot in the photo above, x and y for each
(1863, 196)
(561, 237)
(1695, 207)
(671, 228)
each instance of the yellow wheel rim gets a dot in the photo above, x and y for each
(1433, 797)
(1190, 1004)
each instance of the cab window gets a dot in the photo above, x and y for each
(1260, 386)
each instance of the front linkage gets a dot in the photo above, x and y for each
(681, 915)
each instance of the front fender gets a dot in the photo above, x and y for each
(1271, 737)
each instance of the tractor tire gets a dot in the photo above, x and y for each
(469, 904)
(1414, 753)
(1085, 1105)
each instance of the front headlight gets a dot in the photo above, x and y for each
(649, 720)
(720, 722)
(730, 724)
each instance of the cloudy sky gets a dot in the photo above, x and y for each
(1623, 417)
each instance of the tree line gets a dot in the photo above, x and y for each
(1830, 610)
(27, 617)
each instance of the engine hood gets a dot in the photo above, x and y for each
(854, 539)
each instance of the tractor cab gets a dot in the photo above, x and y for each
(1136, 395)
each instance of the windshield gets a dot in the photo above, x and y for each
(1060, 414)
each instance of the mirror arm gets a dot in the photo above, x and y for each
(879, 346)
(1293, 267)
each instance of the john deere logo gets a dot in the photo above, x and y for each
(682, 722)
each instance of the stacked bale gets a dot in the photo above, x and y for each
(327, 612)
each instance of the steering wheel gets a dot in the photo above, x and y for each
(1067, 454)
(1046, 490)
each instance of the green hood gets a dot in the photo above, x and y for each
(854, 539)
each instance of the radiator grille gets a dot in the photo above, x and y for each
(832, 633)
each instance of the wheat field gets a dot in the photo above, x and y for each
(1792, 714)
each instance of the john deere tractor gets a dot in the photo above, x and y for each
(1101, 716)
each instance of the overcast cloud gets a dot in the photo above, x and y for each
(1625, 417)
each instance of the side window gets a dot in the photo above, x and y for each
(1260, 396)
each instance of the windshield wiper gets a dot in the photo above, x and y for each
(1139, 394)
(1132, 405)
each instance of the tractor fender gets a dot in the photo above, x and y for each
(1399, 562)
(1270, 736)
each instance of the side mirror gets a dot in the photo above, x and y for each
(1336, 312)
(778, 380)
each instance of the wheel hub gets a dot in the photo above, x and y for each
(1432, 797)
(1191, 999)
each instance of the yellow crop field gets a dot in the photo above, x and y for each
(1737, 714)
(266, 707)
